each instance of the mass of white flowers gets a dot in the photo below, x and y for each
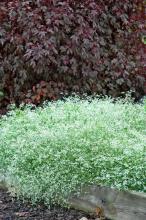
(46, 152)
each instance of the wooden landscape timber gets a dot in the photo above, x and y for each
(110, 203)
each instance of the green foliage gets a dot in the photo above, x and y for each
(47, 152)
(144, 39)
(1, 94)
(145, 104)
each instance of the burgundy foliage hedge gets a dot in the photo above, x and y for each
(49, 47)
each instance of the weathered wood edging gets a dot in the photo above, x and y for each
(110, 203)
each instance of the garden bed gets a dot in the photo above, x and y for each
(100, 202)
(12, 209)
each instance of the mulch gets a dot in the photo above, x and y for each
(12, 208)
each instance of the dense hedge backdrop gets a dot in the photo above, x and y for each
(50, 47)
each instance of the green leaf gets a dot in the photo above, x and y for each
(144, 39)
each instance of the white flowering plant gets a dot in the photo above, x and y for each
(48, 152)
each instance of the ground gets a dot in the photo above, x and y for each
(13, 209)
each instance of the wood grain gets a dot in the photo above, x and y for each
(115, 204)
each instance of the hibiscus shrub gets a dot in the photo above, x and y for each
(54, 47)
